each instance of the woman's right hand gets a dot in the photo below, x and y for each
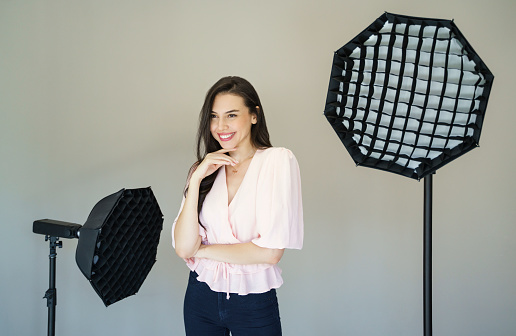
(212, 162)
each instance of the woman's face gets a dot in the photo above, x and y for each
(231, 121)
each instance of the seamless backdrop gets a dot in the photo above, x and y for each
(96, 96)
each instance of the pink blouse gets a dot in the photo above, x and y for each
(267, 210)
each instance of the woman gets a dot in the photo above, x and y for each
(241, 208)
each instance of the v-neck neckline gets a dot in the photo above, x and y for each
(241, 183)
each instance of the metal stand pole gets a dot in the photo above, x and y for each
(427, 258)
(51, 293)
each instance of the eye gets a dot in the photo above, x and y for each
(232, 115)
(213, 116)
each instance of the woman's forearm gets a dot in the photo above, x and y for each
(186, 231)
(243, 254)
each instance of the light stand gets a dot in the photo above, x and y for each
(51, 293)
(54, 230)
(427, 256)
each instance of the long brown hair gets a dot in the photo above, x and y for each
(206, 143)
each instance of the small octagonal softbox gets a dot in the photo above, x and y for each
(117, 245)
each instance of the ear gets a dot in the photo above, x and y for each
(254, 116)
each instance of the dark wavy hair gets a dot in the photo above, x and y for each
(206, 143)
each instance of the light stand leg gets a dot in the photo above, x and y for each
(51, 293)
(427, 258)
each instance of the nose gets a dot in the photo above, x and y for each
(221, 125)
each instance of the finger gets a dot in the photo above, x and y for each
(220, 156)
(224, 161)
(220, 159)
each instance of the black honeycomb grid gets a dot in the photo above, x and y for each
(126, 245)
(408, 95)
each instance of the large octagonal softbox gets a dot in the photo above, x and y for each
(408, 95)
(117, 245)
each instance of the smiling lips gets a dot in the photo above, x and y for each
(226, 136)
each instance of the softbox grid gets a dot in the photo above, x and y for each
(408, 95)
(129, 246)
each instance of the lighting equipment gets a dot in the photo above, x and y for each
(408, 95)
(117, 245)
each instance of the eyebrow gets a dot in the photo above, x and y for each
(231, 111)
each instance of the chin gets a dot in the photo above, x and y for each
(225, 145)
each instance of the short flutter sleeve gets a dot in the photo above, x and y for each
(279, 206)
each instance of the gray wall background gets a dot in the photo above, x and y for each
(96, 96)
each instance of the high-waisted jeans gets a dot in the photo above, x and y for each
(209, 313)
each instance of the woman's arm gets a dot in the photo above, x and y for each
(243, 254)
(186, 231)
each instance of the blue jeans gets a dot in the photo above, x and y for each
(209, 313)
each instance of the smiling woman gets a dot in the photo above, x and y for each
(241, 208)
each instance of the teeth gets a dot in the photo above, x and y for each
(226, 136)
